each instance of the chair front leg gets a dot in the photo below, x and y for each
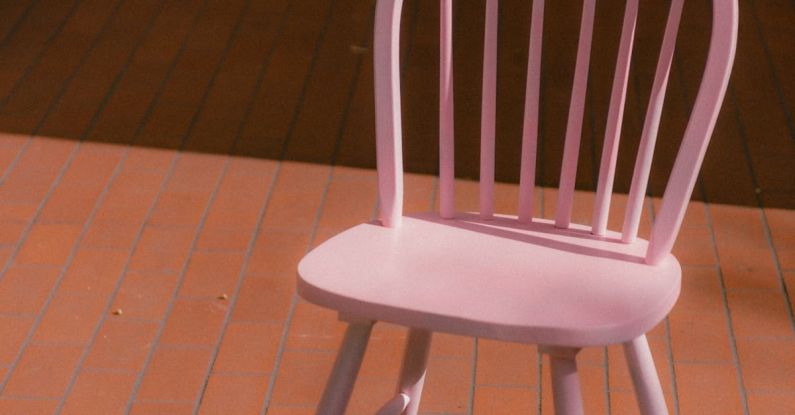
(346, 368)
(412, 372)
(644, 376)
(565, 382)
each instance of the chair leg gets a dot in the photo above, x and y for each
(412, 372)
(565, 382)
(346, 368)
(644, 377)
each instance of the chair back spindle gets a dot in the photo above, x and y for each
(488, 111)
(651, 125)
(530, 124)
(446, 129)
(689, 158)
(615, 116)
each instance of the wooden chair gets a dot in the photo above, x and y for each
(557, 284)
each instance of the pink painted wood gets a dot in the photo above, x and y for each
(554, 283)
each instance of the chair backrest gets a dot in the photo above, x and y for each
(688, 161)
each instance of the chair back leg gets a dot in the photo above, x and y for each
(346, 369)
(644, 376)
(412, 372)
(565, 381)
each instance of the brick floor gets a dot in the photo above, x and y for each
(164, 165)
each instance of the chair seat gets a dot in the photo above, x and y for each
(500, 279)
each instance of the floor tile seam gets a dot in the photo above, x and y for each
(15, 27)
(760, 207)
(44, 48)
(238, 373)
(264, 65)
(509, 386)
(164, 179)
(782, 102)
(473, 374)
(319, 40)
(235, 295)
(769, 392)
(187, 134)
(766, 338)
(729, 321)
(39, 317)
(30, 398)
(32, 136)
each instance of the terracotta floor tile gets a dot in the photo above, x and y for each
(263, 299)
(100, 393)
(448, 345)
(23, 290)
(348, 202)
(694, 246)
(21, 212)
(174, 374)
(769, 402)
(27, 406)
(278, 252)
(768, 364)
(121, 345)
(12, 231)
(162, 249)
(383, 358)
(418, 191)
(162, 408)
(111, 235)
(370, 394)
(293, 387)
(290, 410)
(701, 291)
(94, 271)
(506, 364)
(43, 371)
(234, 394)
(48, 244)
(315, 328)
(700, 337)
(195, 322)
(179, 209)
(505, 400)
(239, 201)
(759, 313)
(70, 319)
(15, 330)
(708, 389)
(70, 204)
(211, 274)
(145, 295)
(223, 240)
(748, 267)
(447, 385)
(249, 347)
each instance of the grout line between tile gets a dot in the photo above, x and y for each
(26, 72)
(11, 32)
(782, 102)
(291, 127)
(49, 193)
(166, 180)
(265, 64)
(473, 377)
(782, 284)
(726, 310)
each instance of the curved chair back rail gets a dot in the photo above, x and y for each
(688, 161)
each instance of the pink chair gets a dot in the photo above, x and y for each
(557, 284)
